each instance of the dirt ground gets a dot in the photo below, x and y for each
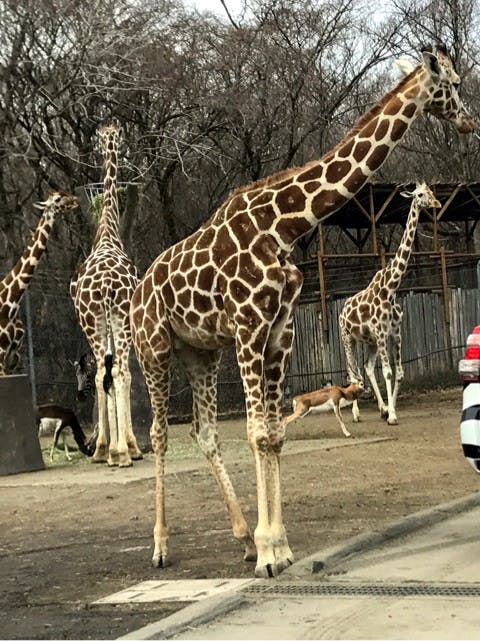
(78, 532)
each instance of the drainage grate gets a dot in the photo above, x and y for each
(365, 589)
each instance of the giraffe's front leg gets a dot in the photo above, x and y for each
(277, 355)
(153, 353)
(134, 451)
(158, 435)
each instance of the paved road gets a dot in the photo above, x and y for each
(442, 556)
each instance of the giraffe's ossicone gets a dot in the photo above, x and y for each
(232, 282)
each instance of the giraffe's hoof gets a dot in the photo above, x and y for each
(122, 459)
(284, 564)
(99, 459)
(160, 561)
(250, 549)
(136, 456)
(250, 555)
(392, 421)
(266, 571)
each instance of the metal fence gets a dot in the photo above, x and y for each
(433, 339)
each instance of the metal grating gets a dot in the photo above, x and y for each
(365, 589)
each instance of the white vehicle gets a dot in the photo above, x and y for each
(469, 369)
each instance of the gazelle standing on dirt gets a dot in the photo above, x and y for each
(324, 400)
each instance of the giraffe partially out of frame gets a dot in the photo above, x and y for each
(15, 283)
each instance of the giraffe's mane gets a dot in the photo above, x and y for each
(285, 174)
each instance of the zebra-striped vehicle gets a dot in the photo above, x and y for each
(469, 369)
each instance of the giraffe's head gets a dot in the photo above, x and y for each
(59, 202)
(424, 196)
(442, 83)
(109, 136)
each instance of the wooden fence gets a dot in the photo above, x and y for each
(433, 338)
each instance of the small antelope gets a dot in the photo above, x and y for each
(323, 400)
(54, 417)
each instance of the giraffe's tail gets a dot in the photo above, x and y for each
(108, 378)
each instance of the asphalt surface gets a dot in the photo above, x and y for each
(423, 585)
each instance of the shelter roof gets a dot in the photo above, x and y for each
(460, 202)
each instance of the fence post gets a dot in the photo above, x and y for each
(31, 362)
(446, 304)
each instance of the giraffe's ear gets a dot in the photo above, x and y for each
(405, 66)
(406, 194)
(430, 61)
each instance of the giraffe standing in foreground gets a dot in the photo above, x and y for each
(232, 282)
(101, 291)
(13, 286)
(373, 316)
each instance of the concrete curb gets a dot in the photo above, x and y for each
(192, 615)
(324, 560)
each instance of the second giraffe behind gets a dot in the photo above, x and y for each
(373, 316)
(101, 292)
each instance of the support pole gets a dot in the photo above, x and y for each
(373, 221)
(321, 276)
(446, 304)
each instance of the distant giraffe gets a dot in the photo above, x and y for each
(101, 292)
(13, 286)
(373, 316)
(232, 282)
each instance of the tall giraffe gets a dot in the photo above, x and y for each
(232, 282)
(13, 286)
(373, 315)
(101, 291)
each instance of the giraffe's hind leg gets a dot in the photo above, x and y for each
(396, 337)
(101, 446)
(352, 366)
(202, 368)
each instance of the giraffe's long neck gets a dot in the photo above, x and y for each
(398, 266)
(18, 279)
(320, 188)
(108, 228)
